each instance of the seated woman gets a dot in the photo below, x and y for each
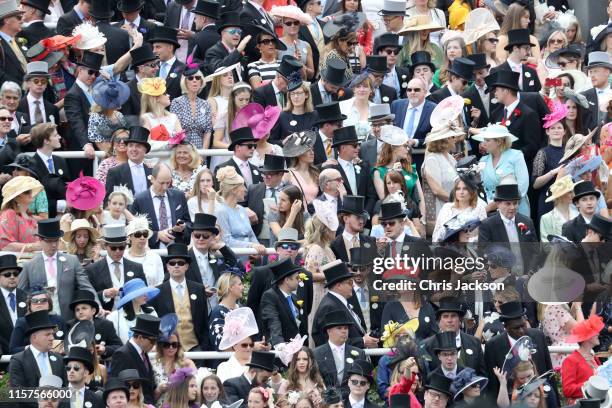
(211, 391)
(138, 233)
(118, 202)
(290, 212)
(133, 382)
(468, 389)
(560, 193)
(203, 194)
(155, 116)
(262, 71)
(229, 292)
(185, 163)
(105, 118)
(357, 108)
(261, 121)
(182, 389)
(303, 376)
(116, 153)
(17, 227)
(297, 116)
(23, 166)
(81, 241)
(302, 173)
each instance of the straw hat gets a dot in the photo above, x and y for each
(90, 35)
(560, 187)
(479, 22)
(221, 71)
(575, 143)
(18, 185)
(152, 86)
(81, 224)
(419, 23)
(443, 131)
(495, 131)
(292, 12)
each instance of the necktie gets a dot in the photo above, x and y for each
(179, 290)
(163, 216)
(512, 234)
(280, 98)
(328, 148)
(410, 125)
(12, 301)
(50, 165)
(393, 249)
(185, 20)
(355, 242)
(377, 96)
(145, 360)
(117, 271)
(163, 70)
(450, 375)
(291, 306)
(505, 116)
(51, 267)
(355, 316)
(273, 193)
(362, 296)
(77, 399)
(326, 97)
(339, 360)
(19, 54)
(43, 364)
(38, 116)
(246, 173)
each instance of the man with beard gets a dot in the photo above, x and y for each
(260, 370)
(353, 217)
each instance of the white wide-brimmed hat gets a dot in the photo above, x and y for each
(91, 37)
(443, 131)
(479, 22)
(393, 135)
(292, 12)
(447, 110)
(495, 131)
(239, 324)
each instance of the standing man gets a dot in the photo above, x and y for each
(388, 45)
(74, 17)
(180, 17)
(259, 372)
(185, 298)
(331, 184)
(243, 145)
(478, 94)
(230, 47)
(274, 93)
(380, 115)
(59, 272)
(378, 69)
(33, 28)
(35, 108)
(145, 65)
(422, 67)
(448, 353)
(599, 70)
(13, 62)
(130, 10)
(253, 14)
(206, 16)
(110, 273)
(460, 73)
(519, 49)
(326, 90)
(12, 305)
(166, 207)
(365, 298)
(313, 33)
(165, 43)
(353, 216)
(134, 354)
(393, 13)
(329, 119)
(585, 199)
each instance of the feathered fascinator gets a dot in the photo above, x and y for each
(239, 324)
(89, 36)
(578, 98)
(152, 86)
(325, 211)
(122, 189)
(177, 139)
(559, 112)
(167, 326)
(287, 350)
(85, 193)
(332, 396)
(180, 375)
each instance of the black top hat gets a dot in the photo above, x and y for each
(334, 72)
(205, 222)
(91, 60)
(229, 19)
(147, 325)
(399, 401)
(84, 297)
(129, 374)
(335, 272)
(38, 321)
(289, 64)
(207, 8)
(363, 368)
(80, 354)
(177, 251)
(139, 134)
(114, 384)
(239, 136)
(329, 112)
(589, 403)
(9, 261)
(510, 311)
(142, 55)
(273, 164)
(386, 40)
(362, 256)
(164, 34)
(601, 225)
(42, 5)
(505, 79)
(439, 383)
(50, 229)
(446, 341)
(353, 205)
(345, 135)
(337, 318)
(263, 360)
(377, 64)
(507, 192)
(584, 188)
(421, 58)
(101, 9)
(389, 211)
(451, 305)
(127, 6)
(519, 36)
(283, 268)
(463, 68)
(261, 30)
(480, 61)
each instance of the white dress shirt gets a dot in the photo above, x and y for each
(510, 108)
(517, 68)
(52, 281)
(510, 226)
(36, 352)
(356, 404)
(156, 203)
(417, 118)
(349, 170)
(32, 107)
(174, 285)
(5, 295)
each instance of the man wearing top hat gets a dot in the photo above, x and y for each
(447, 352)
(274, 93)
(393, 13)
(134, 354)
(72, 18)
(515, 322)
(132, 19)
(228, 50)
(378, 69)
(585, 199)
(389, 46)
(134, 173)
(599, 69)
(109, 274)
(460, 72)
(260, 370)
(12, 59)
(206, 15)
(336, 354)
(242, 143)
(33, 105)
(254, 14)
(272, 172)
(329, 120)
(313, 33)
(365, 299)
(145, 65)
(477, 93)
(327, 89)
(422, 67)
(26, 367)
(12, 304)
(360, 378)
(340, 284)
(438, 392)
(353, 217)
(53, 269)
(165, 43)
(116, 394)
(282, 316)
(519, 49)
(117, 40)
(79, 365)
(33, 28)
(449, 316)
(380, 115)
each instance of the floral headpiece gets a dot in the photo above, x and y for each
(123, 189)
(180, 375)
(558, 113)
(152, 86)
(287, 350)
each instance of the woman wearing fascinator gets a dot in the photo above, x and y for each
(105, 117)
(303, 377)
(343, 43)
(118, 202)
(182, 389)
(154, 115)
(261, 121)
(577, 105)
(302, 172)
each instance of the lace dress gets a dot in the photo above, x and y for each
(159, 374)
(314, 259)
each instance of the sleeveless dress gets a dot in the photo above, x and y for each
(314, 259)
(310, 191)
(220, 122)
(161, 130)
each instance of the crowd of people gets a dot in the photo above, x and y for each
(301, 184)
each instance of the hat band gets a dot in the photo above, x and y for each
(115, 239)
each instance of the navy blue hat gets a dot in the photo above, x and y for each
(500, 255)
(111, 94)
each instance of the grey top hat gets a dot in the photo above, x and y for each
(114, 234)
(37, 69)
(393, 8)
(9, 8)
(380, 112)
(597, 388)
(599, 59)
(287, 234)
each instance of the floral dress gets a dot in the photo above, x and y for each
(195, 127)
(100, 127)
(17, 228)
(314, 259)
(185, 185)
(217, 321)
(553, 326)
(104, 167)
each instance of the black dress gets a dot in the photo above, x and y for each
(394, 311)
(289, 123)
(546, 160)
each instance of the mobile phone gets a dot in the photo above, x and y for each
(213, 290)
(553, 82)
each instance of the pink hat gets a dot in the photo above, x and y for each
(239, 324)
(85, 193)
(260, 120)
(559, 113)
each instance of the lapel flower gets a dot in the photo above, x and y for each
(357, 169)
(303, 277)
(142, 30)
(374, 298)
(517, 113)
(340, 93)
(300, 303)
(467, 101)
(523, 228)
(22, 41)
(354, 353)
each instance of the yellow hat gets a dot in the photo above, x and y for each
(19, 185)
(152, 86)
(457, 14)
(559, 188)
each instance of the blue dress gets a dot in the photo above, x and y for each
(236, 227)
(511, 161)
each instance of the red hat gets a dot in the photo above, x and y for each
(85, 193)
(586, 329)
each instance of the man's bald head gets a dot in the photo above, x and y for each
(416, 91)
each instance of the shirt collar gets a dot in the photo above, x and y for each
(5, 292)
(334, 347)
(349, 237)
(132, 164)
(510, 108)
(82, 85)
(170, 62)
(355, 403)
(6, 37)
(136, 21)
(36, 352)
(330, 198)
(344, 163)
(136, 346)
(339, 296)
(445, 371)
(154, 194)
(357, 287)
(401, 237)
(45, 257)
(506, 220)
(31, 98)
(513, 65)
(43, 156)
(238, 161)
(418, 107)
(110, 261)
(451, 90)
(174, 284)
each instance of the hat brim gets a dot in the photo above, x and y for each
(121, 7)
(599, 64)
(433, 387)
(113, 241)
(14, 166)
(4, 268)
(31, 330)
(165, 40)
(431, 66)
(340, 118)
(261, 366)
(586, 193)
(146, 333)
(150, 292)
(508, 198)
(474, 381)
(237, 142)
(35, 190)
(295, 269)
(167, 258)
(89, 302)
(200, 227)
(336, 324)
(94, 235)
(340, 278)
(505, 318)
(146, 144)
(509, 46)
(379, 118)
(393, 216)
(341, 84)
(392, 13)
(87, 363)
(58, 235)
(27, 3)
(446, 310)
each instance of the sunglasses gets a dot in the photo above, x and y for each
(234, 31)
(353, 144)
(6, 119)
(177, 263)
(392, 52)
(352, 43)
(39, 81)
(249, 145)
(388, 223)
(201, 236)
(141, 234)
(134, 385)
(194, 78)
(246, 345)
(9, 274)
(173, 345)
(361, 383)
(555, 41)
(493, 266)
(413, 89)
(151, 65)
(39, 301)
(266, 41)
(291, 23)
(493, 40)
(121, 140)
(93, 72)
(74, 368)
(293, 247)
(117, 248)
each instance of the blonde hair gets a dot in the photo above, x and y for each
(439, 146)
(195, 157)
(512, 21)
(578, 36)
(316, 233)
(89, 248)
(224, 283)
(184, 82)
(149, 104)
(412, 44)
(228, 179)
(563, 37)
(307, 102)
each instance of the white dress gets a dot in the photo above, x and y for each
(258, 160)
(220, 122)
(449, 211)
(169, 121)
(123, 327)
(362, 127)
(151, 264)
(192, 205)
(230, 369)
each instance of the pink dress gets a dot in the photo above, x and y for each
(309, 190)
(16, 228)
(555, 318)
(313, 260)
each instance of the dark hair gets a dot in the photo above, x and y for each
(313, 371)
(359, 8)
(568, 76)
(31, 295)
(222, 395)
(294, 193)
